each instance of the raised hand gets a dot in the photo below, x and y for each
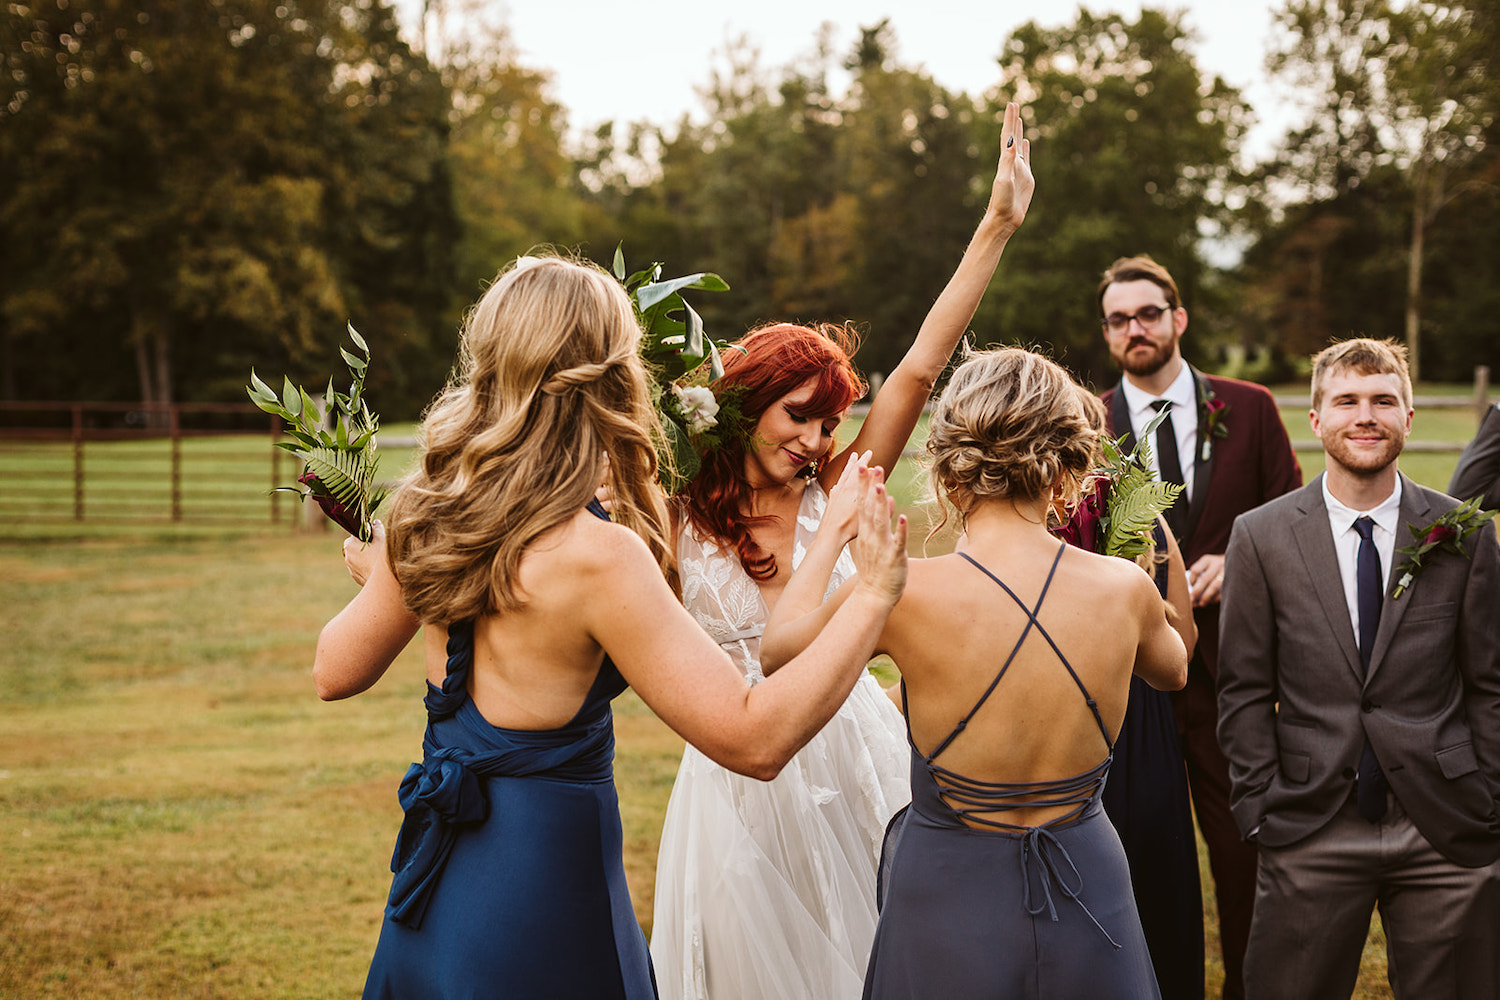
(879, 552)
(1010, 196)
(842, 515)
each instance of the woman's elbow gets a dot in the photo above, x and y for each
(324, 683)
(766, 767)
(331, 682)
(1178, 680)
(1171, 676)
(771, 660)
(761, 762)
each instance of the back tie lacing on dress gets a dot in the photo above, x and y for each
(971, 798)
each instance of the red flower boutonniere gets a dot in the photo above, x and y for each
(1447, 533)
(1211, 411)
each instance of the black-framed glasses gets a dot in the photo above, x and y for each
(1145, 315)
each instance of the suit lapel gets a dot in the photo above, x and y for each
(1119, 417)
(1315, 543)
(1414, 510)
(1202, 467)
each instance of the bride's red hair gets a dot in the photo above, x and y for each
(763, 366)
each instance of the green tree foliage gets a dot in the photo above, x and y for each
(764, 159)
(1394, 170)
(817, 207)
(195, 187)
(514, 182)
(1134, 152)
(919, 165)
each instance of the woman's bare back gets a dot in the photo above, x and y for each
(954, 630)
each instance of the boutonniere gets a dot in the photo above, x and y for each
(1211, 412)
(1447, 533)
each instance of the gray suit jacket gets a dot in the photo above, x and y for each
(1294, 711)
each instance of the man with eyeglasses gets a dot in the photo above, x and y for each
(1224, 442)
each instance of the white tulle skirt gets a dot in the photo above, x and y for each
(766, 890)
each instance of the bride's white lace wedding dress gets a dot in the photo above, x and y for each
(766, 890)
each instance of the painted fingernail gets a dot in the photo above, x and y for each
(1010, 142)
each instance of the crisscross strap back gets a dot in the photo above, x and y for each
(977, 801)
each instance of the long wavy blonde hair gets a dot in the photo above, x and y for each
(548, 383)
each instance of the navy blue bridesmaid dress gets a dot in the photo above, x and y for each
(508, 878)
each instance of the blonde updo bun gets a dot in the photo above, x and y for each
(1010, 424)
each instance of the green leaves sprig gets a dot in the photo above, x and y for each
(339, 461)
(679, 355)
(1136, 497)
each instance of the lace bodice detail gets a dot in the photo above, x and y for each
(723, 598)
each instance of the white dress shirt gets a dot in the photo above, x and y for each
(1183, 395)
(1387, 518)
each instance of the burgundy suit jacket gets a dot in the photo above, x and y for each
(1251, 464)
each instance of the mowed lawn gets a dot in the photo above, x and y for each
(181, 817)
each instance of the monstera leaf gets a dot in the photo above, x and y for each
(681, 357)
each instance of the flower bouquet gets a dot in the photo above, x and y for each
(683, 360)
(1118, 515)
(338, 461)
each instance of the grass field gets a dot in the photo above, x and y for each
(181, 817)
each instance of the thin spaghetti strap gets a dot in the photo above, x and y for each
(1088, 698)
(1020, 641)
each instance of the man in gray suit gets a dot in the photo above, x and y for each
(1363, 729)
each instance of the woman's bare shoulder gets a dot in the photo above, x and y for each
(1109, 577)
(584, 551)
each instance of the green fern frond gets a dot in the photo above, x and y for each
(346, 474)
(1133, 510)
(333, 436)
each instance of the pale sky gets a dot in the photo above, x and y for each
(614, 59)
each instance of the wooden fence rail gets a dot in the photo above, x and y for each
(206, 463)
(182, 463)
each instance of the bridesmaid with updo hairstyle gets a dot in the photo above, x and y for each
(1004, 877)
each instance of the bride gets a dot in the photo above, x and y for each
(767, 889)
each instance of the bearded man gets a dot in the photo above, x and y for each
(1224, 441)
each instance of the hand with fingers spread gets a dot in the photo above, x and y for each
(879, 551)
(841, 517)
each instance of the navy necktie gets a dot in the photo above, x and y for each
(1369, 586)
(1169, 465)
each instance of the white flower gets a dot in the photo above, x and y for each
(699, 408)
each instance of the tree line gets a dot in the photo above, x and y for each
(192, 187)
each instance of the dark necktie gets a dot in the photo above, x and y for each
(1370, 790)
(1170, 466)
